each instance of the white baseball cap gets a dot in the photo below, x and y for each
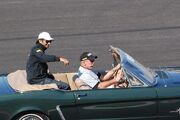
(45, 35)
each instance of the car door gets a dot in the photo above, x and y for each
(117, 103)
(169, 103)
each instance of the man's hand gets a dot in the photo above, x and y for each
(64, 60)
(119, 75)
(117, 67)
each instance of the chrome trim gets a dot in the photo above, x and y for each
(176, 111)
(60, 112)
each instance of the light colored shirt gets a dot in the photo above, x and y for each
(88, 77)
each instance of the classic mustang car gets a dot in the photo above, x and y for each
(149, 94)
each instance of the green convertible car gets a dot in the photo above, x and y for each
(149, 94)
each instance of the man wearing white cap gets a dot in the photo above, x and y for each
(37, 68)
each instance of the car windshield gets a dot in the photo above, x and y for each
(136, 68)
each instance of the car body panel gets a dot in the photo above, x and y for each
(42, 101)
(117, 104)
(169, 102)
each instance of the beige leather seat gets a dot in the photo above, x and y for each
(67, 78)
(17, 80)
(81, 85)
(72, 79)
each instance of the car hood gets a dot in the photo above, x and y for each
(168, 78)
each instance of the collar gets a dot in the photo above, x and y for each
(41, 46)
(82, 70)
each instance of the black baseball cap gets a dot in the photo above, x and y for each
(88, 56)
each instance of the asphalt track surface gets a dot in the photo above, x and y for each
(149, 30)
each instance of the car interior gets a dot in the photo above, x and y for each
(17, 80)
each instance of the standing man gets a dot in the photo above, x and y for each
(37, 68)
(91, 79)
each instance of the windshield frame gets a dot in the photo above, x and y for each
(134, 67)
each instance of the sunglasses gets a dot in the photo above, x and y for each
(91, 61)
(48, 41)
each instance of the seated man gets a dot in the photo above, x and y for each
(89, 77)
(37, 64)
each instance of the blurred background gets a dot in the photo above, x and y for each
(148, 30)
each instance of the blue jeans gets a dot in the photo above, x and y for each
(60, 84)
